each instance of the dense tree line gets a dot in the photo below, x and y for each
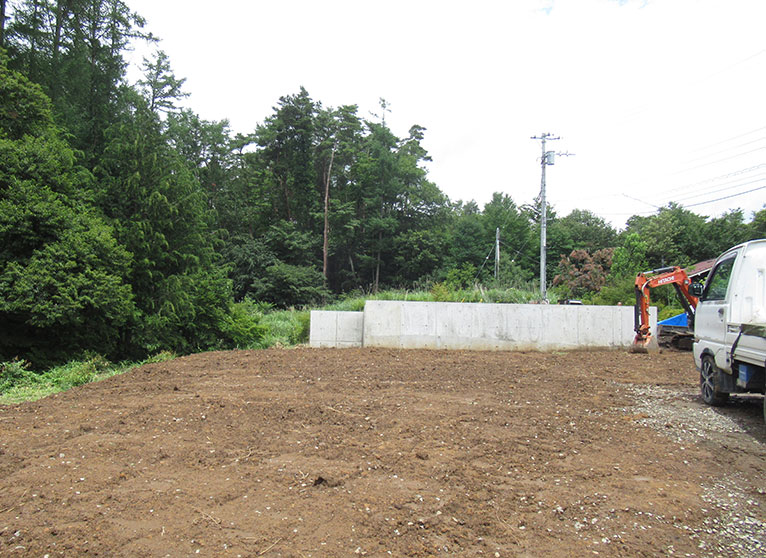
(129, 224)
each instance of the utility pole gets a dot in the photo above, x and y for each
(545, 160)
(497, 253)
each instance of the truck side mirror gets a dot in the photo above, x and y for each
(696, 289)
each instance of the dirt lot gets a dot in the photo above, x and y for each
(310, 453)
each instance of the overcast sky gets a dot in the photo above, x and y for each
(658, 100)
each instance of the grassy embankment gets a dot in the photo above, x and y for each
(18, 383)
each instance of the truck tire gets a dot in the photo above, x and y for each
(710, 383)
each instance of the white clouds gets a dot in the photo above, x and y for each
(634, 88)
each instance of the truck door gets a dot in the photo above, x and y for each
(711, 320)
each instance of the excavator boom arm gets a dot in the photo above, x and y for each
(656, 278)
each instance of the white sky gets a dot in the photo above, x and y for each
(659, 100)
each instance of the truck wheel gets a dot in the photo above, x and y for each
(710, 381)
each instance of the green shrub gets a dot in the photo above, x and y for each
(16, 373)
(510, 296)
(77, 373)
(162, 356)
(284, 328)
(242, 327)
(461, 277)
(300, 332)
(354, 305)
(441, 292)
(668, 312)
(288, 285)
(618, 290)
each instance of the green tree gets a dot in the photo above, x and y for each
(419, 254)
(630, 257)
(74, 50)
(160, 215)
(628, 260)
(584, 230)
(338, 141)
(469, 243)
(62, 273)
(286, 285)
(421, 211)
(287, 142)
(209, 151)
(674, 236)
(758, 225)
(160, 87)
(375, 172)
(519, 245)
(726, 231)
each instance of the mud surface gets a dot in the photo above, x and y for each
(309, 453)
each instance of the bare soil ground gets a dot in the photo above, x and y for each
(309, 453)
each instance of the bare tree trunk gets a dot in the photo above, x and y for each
(286, 191)
(2, 22)
(377, 264)
(326, 242)
(62, 11)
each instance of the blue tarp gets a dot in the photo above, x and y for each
(680, 320)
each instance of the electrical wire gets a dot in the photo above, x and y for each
(717, 191)
(727, 149)
(726, 197)
(720, 160)
(720, 177)
(716, 144)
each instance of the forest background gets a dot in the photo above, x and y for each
(131, 226)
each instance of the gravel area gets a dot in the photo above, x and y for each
(679, 413)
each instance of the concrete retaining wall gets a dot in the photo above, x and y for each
(444, 325)
(336, 329)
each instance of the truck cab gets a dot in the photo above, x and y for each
(730, 324)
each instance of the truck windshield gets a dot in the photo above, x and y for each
(719, 280)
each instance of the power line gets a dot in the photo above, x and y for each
(726, 197)
(669, 192)
(716, 191)
(720, 160)
(727, 149)
(720, 177)
(641, 201)
(729, 139)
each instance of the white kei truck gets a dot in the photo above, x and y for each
(730, 324)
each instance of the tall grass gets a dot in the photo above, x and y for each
(284, 328)
(439, 292)
(18, 383)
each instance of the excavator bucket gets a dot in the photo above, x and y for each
(645, 345)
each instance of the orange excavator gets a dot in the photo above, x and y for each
(656, 278)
